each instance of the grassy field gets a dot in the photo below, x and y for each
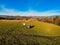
(14, 33)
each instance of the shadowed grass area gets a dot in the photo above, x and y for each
(14, 33)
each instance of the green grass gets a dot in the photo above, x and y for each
(12, 33)
(45, 29)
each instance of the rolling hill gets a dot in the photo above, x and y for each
(13, 32)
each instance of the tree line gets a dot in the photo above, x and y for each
(51, 19)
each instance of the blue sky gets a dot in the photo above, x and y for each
(30, 7)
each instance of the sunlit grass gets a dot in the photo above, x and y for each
(15, 31)
(39, 28)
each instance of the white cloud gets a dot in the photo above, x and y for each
(6, 11)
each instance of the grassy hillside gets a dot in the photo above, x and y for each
(46, 29)
(13, 32)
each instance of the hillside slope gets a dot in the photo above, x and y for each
(14, 33)
(40, 28)
(46, 29)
